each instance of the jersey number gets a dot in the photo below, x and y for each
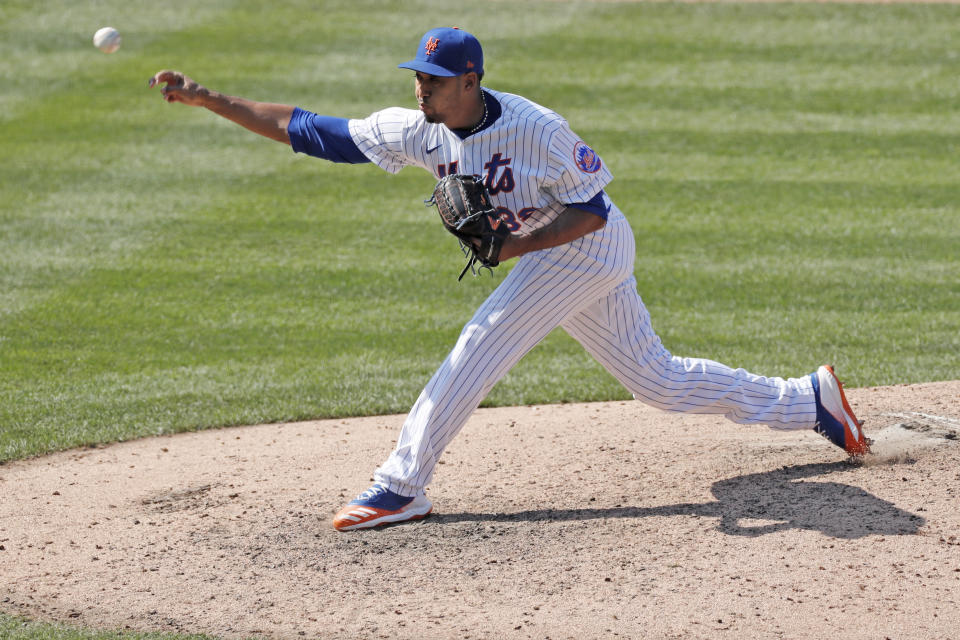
(513, 220)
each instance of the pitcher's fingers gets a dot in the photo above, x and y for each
(171, 94)
(168, 76)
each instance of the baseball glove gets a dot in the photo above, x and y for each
(465, 210)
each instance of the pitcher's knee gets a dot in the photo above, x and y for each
(657, 383)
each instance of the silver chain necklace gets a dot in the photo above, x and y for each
(483, 120)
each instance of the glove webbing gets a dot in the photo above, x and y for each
(471, 262)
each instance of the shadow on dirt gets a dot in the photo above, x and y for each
(756, 504)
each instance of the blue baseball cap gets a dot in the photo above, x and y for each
(447, 52)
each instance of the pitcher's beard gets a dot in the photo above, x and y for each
(431, 119)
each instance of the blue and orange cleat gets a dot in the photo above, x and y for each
(378, 506)
(835, 418)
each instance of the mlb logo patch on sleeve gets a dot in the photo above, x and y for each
(587, 159)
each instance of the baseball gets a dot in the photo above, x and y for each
(107, 39)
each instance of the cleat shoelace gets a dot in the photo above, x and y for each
(372, 492)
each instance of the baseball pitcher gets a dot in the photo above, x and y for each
(515, 182)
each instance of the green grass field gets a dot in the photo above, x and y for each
(790, 170)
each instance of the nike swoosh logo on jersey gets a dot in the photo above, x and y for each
(434, 149)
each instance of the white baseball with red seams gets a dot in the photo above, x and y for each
(107, 39)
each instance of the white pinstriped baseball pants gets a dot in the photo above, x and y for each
(588, 288)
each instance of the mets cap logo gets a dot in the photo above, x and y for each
(431, 45)
(587, 159)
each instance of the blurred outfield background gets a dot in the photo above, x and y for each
(791, 172)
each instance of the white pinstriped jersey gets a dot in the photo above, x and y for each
(534, 165)
(532, 162)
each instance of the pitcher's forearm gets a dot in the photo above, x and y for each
(266, 118)
(573, 223)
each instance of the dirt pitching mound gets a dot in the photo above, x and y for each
(572, 521)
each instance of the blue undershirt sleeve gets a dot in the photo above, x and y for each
(596, 205)
(323, 137)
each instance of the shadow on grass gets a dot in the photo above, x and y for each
(780, 499)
